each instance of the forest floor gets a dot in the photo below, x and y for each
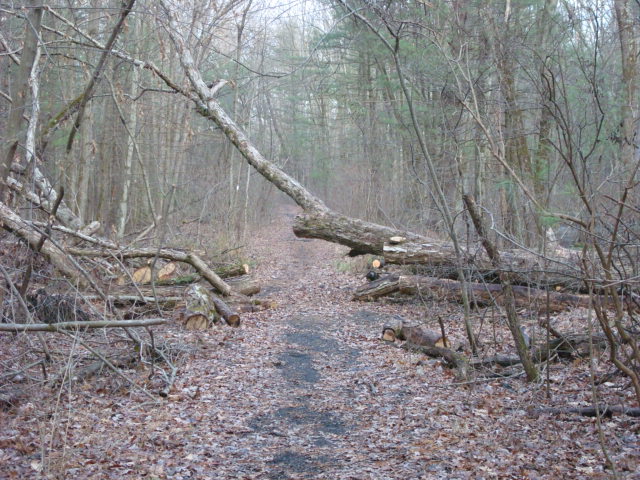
(308, 391)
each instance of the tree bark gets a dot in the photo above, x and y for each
(231, 317)
(482, 294)
(109, 250)
(55, 327)
(14, 135)
(606, 411)
(199, 312)
(14, 223)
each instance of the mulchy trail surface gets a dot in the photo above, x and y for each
(308, 391)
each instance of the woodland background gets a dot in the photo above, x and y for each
(547, 89)
(508, 126)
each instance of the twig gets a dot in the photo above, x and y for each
(45, 347)
(108, 363)
(43, 237)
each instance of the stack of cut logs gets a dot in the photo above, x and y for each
(200, 307)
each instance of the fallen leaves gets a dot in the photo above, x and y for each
(309, 391)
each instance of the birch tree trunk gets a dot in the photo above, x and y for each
(14, 135)
(132, 128)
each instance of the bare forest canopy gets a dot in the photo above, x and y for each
(485, 141)
(388, 111)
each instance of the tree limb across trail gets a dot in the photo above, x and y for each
(318, 221)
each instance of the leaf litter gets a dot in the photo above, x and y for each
(308, 391)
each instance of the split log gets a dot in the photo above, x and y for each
(481, 293)
(199, 312)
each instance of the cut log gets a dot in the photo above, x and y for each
(397, 240)
(194, 320)
(167, 272)
(109, 249)
(199, 312)
(244, 286)
(236, 270)
(231, 317)
(482, 294)
(415, 335)
(377, 263)
(142, 275)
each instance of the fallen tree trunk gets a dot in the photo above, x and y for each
(365, 237)
(453, 359)
(317, 221)
(603, 411)
(199, 312)
(44, 196)
(482, 293)
(569, 346)
(110, 250)
(14, 223)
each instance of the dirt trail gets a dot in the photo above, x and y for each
(321, 406)
(306, 391)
